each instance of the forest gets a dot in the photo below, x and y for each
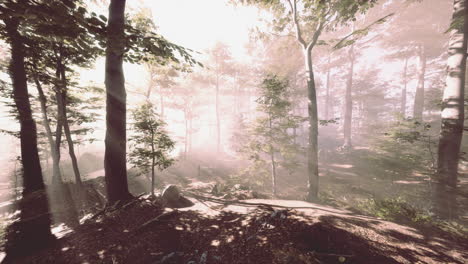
(233, 131)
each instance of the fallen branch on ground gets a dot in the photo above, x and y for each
(154, 220)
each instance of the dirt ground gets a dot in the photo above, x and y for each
(252, 231)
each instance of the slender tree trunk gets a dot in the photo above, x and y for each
(161, 100)
(150, 88)
(186, 134)
(115, 164)
(57, 175)
(66, 127)
(153, 163)
(312, 149)
(190, 133)
(327, 94)
(33, 231)
(45, 120)
(348, 116)
(63, 206)
(273, 164)
(273, 172)
(403, 89)
(453, 99)
(218, 122)
(419, 96)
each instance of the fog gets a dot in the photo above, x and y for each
(241, 118)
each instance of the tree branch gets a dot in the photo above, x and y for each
(296, 23)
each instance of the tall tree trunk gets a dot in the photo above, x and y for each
(190, 133)
(273, 165)
(33, 231)
(66, 127)
(312, 149)
(327, 94)
(115, 164)
(161, 100)
(218, 122)
(348, 116)
(57, 175)
(403, 89)
(62, 203)
(453, 98)
(153, 163)
(45, 120)
(186, 134)
(419, 96)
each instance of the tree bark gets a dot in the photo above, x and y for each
(190, 133)
(218, 121)
(419, 96)
(312, 149)
(45, 120)
(403, 89)
(186, 133)
(453, 99)
(348, 116)
(33, 231)
(153, 162)
(115, 164)
(62, 204)
(327, 94)
(273, 164)
(66, 127)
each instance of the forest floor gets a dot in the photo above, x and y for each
(250, 231)
(232, 227)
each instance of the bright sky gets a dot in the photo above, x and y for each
(200, 24)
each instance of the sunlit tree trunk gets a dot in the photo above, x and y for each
(33, 231)
(403, 89)
(115, 164)
(312, 149)
(161, 101)
(419, 96)
(63, 206)
(273, 164)
(45, 120)
(327, 93)
(190, 133)
(153, 162)
(218, 121)
(186, 141)
(453, 98)
(62, 103)
(348, 116)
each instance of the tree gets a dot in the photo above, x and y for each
(115, 164)
(33, 231)
(135, 45)
(151, 144)
(220, 59)
(420, 35)
(453, 97)
(314, 17)
(269, 142)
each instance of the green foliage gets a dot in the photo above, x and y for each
(395, 209)
(407, 145)
(150, 143)
(314, 16)
(270, 133)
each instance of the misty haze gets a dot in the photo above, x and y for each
(233, 131)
